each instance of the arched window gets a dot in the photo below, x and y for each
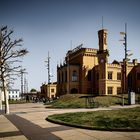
(74, 76)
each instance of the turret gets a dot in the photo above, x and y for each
(103, 52)
(102, 60)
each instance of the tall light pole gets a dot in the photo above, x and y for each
(48, 68)
(25, 84)
(125, 62)
(49, 76)
(22, 71)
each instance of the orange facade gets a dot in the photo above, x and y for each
(87, 71)
(48, 90)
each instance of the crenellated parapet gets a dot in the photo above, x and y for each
(114, 65)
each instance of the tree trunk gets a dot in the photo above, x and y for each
(0, 99)
(5, 97)
(0, 104)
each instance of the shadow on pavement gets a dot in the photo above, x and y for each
(34, 132)
(9, 134)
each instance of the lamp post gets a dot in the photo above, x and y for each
(49, 75)
(124, 62)
(22, 72)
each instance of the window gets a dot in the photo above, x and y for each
(52, 90)
(110, 90)
(118, 90)
(59, 78)
(138, 76)
(118, 76)
(74, 76)
(62, 77)
(110, 75)
(65, 76)
(89, 75)
(97, 76)
(52, 96)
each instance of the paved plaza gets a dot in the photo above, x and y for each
(27, 121)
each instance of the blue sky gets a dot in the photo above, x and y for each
(51, 25)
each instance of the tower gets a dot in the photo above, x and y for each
(103, 52)
(102, 60)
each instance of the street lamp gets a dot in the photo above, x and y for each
(49, 75)
(22, 71)
(124, 34)
(125, 62)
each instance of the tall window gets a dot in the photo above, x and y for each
(118, 76)
(59, 78)
(138, 76)
(89, 75)
(65, 76)
(118, 90)
(62, 77)
(110, 90)
(110, 75)
(97, 76)
(74, 76)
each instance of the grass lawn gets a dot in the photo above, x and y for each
(74, 101)
(121, 119)
(17, 101)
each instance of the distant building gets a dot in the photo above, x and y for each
(87, 71)
(14, 94)
(48, 90)
(31, 95)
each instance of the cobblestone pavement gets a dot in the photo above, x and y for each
(27, 121)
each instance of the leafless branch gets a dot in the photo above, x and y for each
(9, 54)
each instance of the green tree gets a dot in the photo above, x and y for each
(33, 90)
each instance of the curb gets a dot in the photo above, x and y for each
(92, 128)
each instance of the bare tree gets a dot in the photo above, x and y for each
(10, 53)
(0, 98)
